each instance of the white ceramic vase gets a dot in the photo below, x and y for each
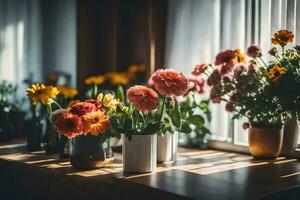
(167, 147)
(139, 153)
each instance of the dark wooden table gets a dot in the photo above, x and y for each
(207, 174)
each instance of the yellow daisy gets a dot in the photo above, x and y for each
(67, 92)
(95, 80)
(41, 93)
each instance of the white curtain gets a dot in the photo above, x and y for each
(19, 41)
(198, 29)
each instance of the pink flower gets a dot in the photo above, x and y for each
(233, 98)
(246, 125)
(199, 69)
(229, 107)
(96, 104)
(70, 125)
(169, 82)
(143, 98)
(254, 51)
(216, 100)
(251, 69)
(238, 70)
(227, 59)
(196, 83)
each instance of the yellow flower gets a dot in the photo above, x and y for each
(95, 80)
(282, 37)
(108, 100)
(276, 72)
(240, 56)
(41, 93)
(67, 92)
(118, 78)
(98, 121)
(134, 69)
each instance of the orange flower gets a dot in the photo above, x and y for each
(98, 121)
(169, 82)
(282, 37)
(276, 72)
(143, 98)
(67, 92)
(241, 58)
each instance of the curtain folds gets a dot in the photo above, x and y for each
(198, 29)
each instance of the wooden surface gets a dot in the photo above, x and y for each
(197, 174)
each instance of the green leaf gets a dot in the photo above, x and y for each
(176, 116)
(185, 128)
(120, 93)
(196, 120)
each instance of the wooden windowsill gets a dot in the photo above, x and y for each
(197, 174)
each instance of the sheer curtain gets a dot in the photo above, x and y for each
(198, 29)
(19, 40)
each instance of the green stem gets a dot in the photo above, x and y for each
(162, 109)
(57, 104)
(263, 62)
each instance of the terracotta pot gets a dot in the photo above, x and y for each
(265, 142)
(290, 137)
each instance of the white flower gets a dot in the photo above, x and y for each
(56, 113)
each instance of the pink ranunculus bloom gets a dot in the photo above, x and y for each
(216, 100)
(143, 98)
(199, 69)
(196, 83)
(254, 51)
(169, 82)
(226, 58)
(251, 69)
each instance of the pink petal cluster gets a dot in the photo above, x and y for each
(215, 78)
(82, 108)
(238, 70)
(169, 82)
(196, 84)
(199, 69)
(227, 59)
(254, 51)
(143, 98)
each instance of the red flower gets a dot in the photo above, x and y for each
(227, 59)
(251, 69)
(246, 125)
(96, 103)
(233, 98)
(215, 78)
(199, 69)
(70, 125)
(85, 107)
(226, 79)
(143, 98)
(229, 107)
(254, 51)
(169, 82)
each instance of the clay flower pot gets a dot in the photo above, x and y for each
(265, 142)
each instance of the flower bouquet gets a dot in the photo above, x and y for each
(85, 124)
(246, 89)
(145, 115)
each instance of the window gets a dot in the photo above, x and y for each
(199, 29)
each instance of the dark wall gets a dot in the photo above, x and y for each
(113, 34)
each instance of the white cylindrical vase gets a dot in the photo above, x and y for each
(167, 147)
(139, 153)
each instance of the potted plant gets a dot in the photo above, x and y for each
(245, 87)
(170, 85)
(284, 76)
(85, 124)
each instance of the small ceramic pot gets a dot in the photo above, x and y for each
(167, 147)
(290, 136)
(265, 142)
(88, 152)
(139, 153)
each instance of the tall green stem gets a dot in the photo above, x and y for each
(162, 109)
